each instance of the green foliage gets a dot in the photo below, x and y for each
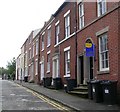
(11, 67)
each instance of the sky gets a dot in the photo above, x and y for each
(17, 19)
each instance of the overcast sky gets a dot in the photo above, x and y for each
(17, 19)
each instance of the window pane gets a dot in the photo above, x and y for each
(67, 62)
(107, 64)
(103, 60)
(102, 64)
(102, 57)
(68, 66)
(67, 26)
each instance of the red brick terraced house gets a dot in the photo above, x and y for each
(98, 23)
(33, 56)
(79, 42)
(46, 46)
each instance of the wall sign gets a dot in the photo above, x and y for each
(90, 48)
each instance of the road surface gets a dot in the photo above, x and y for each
(16, 97)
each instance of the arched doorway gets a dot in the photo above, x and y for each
(85, 63)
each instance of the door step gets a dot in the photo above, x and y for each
(50, 87)
(81, 91)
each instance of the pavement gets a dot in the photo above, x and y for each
(74, 102)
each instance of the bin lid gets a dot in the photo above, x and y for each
(89, 81)
(95, 81)
(107, 82)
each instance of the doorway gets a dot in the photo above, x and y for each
(91, 68)
(81, 68)
(42, 71)
(85, 69)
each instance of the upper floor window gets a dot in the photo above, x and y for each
(67, 24)
(29, 40)
(30, 53)
(49, 37)
(36, 67)
(48, 61)
(33, 50)
(101, 7)
(103, 53)
(67, 61)
(81, 15)
(37, 47)
(26, 58)
(42, 38)
(57, 31)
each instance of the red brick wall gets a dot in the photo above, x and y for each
(119, 52)
(112, 42)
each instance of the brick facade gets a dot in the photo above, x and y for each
(81, 67)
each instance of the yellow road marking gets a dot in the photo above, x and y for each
(56, 105)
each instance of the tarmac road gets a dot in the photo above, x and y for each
(16, 97)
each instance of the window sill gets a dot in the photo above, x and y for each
(56, 45)
(66, 76)
(48, 45)
(48, 72)
(42, 50)
(36, 74)
(103, 72)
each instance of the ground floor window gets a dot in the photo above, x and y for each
(67, 63)
(103, 53)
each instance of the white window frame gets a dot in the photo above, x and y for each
(33, 49)
(102, 51)
(49, 36)
(102, 7)
(36, 67)
(42, 41)
(42, 68)
(67, 59)
(30, 53)
(67, 24)
(37, 47)
(48, 61)
(55, 66)
(26, 56)
(57, 32)
(81, 15)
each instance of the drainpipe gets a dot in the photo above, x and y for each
(39, 77)
(75, 17)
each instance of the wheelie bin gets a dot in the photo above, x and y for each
(109, 92)
(47, 81)
(71, 83)
(97, 91)
(57, 83)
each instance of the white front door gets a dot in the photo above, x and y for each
(55, 68)
(32, 72)
(42, 70)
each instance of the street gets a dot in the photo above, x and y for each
(16, 97)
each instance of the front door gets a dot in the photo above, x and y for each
(91, 67)
(42, 70)
(81, 69)
(32, 72)
(85, 69)
(55, 68)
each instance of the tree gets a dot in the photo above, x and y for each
(11, 67)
